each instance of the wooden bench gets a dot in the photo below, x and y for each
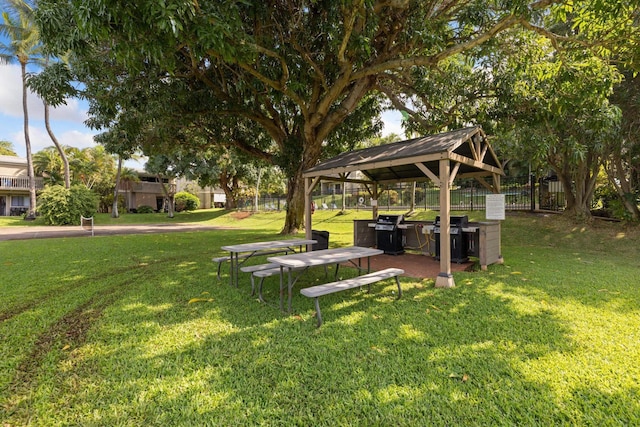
(222, 259)
(316, 292)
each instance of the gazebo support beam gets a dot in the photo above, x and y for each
(432, 176)
(374, 207)
(445, 278)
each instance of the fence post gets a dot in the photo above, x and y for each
(532, 193)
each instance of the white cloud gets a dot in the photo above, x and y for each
(40, 139)
(11, 100)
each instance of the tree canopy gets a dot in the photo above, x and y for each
(22, 45)
(307, 73)
(293, 81)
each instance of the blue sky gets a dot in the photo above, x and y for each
(67, 122)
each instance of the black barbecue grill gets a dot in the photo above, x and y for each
(459, 243)
(389, 234)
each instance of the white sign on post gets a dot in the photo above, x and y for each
(495, 206)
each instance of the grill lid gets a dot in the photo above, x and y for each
(385, 227)
(454, 221)
(390, 219)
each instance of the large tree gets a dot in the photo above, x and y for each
(299, 69)
(22, 45)
(553, 110)
(622, 164)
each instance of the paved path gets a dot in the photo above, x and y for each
(43, 232)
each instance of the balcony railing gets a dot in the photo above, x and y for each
(146, 187)
(19, 183)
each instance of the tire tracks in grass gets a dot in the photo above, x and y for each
(70, 330)
(16, 310)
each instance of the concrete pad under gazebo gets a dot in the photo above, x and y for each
(441, 158)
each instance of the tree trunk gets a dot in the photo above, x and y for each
(579, 185)
(114, 208)
(227, 185)
(257, 197)
(294, 218)
(619, 179)
(31, 215)
(168, 197)
(63, 156)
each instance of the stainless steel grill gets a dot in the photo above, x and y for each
(389, 234)
(458, 239)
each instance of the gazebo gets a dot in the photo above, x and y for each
(441, 158)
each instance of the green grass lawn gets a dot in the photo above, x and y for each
(135, 330)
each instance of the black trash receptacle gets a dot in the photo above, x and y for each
(322, 237)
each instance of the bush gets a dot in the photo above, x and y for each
(186, 202)
(61, 206)
(607, 203)
(145, 209)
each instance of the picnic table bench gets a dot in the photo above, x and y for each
(317, 291)
(245, 251)
(222, 259)
(256, 270)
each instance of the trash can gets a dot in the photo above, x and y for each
(322, 237)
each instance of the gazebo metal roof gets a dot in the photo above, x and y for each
(416, 159)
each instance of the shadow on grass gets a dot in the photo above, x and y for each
(450, 356)
(479, 354)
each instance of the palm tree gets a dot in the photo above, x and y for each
(94, 165)
(47, 163)
(25, 47)
(53, 95)
(6, 149)
(60, 148)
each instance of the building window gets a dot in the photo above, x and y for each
(19, 201)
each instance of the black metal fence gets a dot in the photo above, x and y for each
(521, 193)
(265, 203)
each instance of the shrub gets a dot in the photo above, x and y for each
(61, 206)
(145, 209)
(186, 201)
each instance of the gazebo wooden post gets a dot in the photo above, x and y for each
(497, 189)
(374, 208)
(307, 209)
(445, 278)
